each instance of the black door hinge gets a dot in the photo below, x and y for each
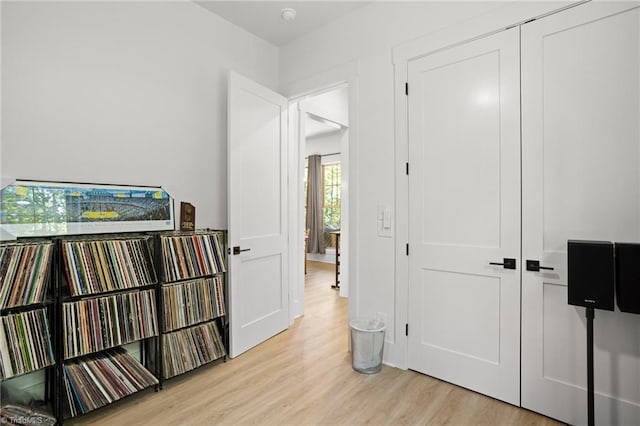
(407, 168)
(406, 329)
(407, 249)
(406, 89)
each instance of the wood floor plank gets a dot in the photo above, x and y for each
(303, 376)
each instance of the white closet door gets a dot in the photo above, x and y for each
(464, 204)
(581, 180)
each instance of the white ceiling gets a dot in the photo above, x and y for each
(262, 18)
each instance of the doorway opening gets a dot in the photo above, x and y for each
(322, 173)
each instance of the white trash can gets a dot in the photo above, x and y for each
(367, 344)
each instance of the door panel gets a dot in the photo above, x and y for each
(464, 204)
(261, 301)
(466, 89)
(261, 154)
(482, 296)
(581, 180)
(257, 203)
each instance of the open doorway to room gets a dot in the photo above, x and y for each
(324, 127)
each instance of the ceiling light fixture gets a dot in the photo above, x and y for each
(288, 14)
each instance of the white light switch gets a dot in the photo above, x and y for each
(383, 220)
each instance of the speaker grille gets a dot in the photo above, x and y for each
(591, 274)
(628, 277)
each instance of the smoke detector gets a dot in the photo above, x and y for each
(288, 14)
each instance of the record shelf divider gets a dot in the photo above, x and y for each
(225, 280)
(57, 345)
(157, 257)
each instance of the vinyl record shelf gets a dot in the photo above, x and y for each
(105, 316)
(106, 299)
(191, 301)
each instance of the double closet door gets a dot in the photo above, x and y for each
(519, 141)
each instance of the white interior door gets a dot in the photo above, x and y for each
(581, 180)
(257, 213)
(464, 204)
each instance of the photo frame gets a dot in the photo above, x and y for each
(41, 208)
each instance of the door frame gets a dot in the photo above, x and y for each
(507, 16)
(297, 91)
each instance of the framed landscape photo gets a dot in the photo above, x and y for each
(40, 208)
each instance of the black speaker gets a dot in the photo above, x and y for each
(591, 274)
(628, 277)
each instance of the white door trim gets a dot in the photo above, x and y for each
(296, 222)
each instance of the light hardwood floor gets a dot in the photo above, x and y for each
(304, 376)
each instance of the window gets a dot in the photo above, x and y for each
(332, 178)
(331, 208)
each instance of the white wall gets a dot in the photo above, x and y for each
(125, 93)
(367, 36)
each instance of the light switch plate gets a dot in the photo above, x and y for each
(384, 221)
